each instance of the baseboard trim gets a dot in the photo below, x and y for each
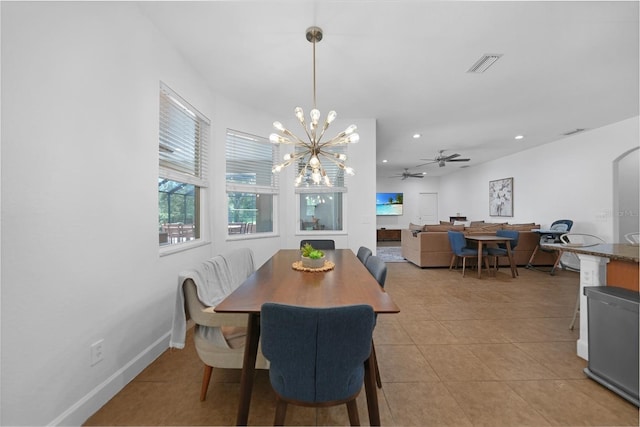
(80, 412)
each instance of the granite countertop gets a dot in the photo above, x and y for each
(614, 251)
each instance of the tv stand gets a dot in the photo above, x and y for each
(388, 234)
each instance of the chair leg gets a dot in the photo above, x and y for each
(375, 363)
(453, 258)
(575, 313)
(352, 410)
(464, 262)
(205, 382)
(281, 412)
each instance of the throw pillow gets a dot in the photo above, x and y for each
(463, 223)
(415, 227)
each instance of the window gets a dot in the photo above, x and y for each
(322, 208)
(321, 211)
(251, 186)
(183, 168)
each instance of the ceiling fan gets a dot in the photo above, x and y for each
(441, 159)
(406, 174)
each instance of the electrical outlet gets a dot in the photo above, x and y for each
(97, 352)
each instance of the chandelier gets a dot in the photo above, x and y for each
(310, 152)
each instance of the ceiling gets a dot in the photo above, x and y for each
(565, 66)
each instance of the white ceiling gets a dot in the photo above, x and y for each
(565, 65)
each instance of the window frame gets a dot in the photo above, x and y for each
(235, 187)
(171, 169)
(321, 190)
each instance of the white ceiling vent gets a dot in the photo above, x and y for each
(573, 132)
(486, 61)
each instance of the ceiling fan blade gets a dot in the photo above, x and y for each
(428, 163)
(458, 160)
(448, 158)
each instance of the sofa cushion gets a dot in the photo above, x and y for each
(487, 228)
(521, 227)
(476, 223)
(444, 228)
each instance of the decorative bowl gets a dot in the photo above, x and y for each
(311, 262)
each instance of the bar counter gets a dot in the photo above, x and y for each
(610, 264)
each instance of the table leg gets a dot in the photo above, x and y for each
(371, 392)
(479, 258)
(514, 269)
(248, 368)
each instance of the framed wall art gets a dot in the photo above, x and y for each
(501, 197)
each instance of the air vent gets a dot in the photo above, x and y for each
(573, 132)
(486, 61)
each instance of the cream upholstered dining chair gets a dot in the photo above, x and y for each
(219, 338)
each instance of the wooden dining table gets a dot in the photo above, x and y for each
(348, 283)
(482, 240)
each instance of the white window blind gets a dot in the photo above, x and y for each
(336, 175)
(183, 140)
(249, 161)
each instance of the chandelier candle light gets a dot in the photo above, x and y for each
(309, 153)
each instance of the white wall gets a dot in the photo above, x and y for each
(80, 257)
(570, 178)
(411, 189)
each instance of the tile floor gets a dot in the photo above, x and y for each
(462, 352)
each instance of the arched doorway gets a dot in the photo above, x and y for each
(626, 193)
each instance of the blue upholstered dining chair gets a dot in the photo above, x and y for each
(319, 244)
(315, 359)
(501, 250)
(378, 270)
(363, 254)
(460, 250)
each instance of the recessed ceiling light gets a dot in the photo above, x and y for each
(416, 135)
(519, 136)
(424, 173)
(384, 161)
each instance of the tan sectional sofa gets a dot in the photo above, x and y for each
(428, 246)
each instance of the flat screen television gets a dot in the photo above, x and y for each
(389, 203)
